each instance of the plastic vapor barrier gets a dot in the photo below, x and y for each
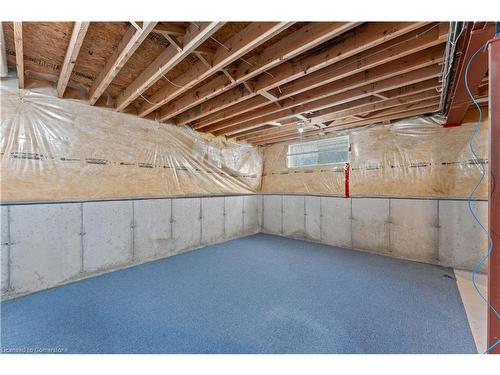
(55, 149)
(411, 158)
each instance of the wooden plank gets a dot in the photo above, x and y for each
(344, 58)
(18, 45)
(128, 45)
(395, 68)
(393, 114)
(234, 48)
(75, 43)
(296, 43)
(195, 35)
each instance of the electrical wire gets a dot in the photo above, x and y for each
(481, 262)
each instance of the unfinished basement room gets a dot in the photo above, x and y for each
(250, 187)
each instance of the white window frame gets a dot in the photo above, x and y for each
(343, 137)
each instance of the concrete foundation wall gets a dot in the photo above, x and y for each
(45, 245)
(426, 230)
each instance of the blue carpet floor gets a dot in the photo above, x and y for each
(259, 294)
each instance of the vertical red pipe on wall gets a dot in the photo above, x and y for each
(346, 179)
(494, 192)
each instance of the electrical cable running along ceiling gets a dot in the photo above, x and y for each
(252, 81)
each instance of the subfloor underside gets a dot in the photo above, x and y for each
(259, 294)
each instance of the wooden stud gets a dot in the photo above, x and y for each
(18, 44)
(195, 35)
(128, 45)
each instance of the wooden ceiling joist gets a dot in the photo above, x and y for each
(346, 98)
(403, 111)
(367, 79)
(393, 88)
(405, 45)
(169, 29)
(237, 46)
(195, 35)
(128, 45)
(298, 42)
(18, 45)
(365, 37)
(75, 43)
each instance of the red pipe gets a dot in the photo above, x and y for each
(346, 179)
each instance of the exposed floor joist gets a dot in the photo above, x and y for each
(366, 79)
(75, 43)
(18, 42)
(298, 42)
(236, 47)
(367, 37)
(196, 34)
(128, 45)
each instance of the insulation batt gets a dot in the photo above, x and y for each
(410, 158)
(55, 149)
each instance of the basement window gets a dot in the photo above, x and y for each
(320, 152)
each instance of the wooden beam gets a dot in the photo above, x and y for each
(169, 29)
(75, 43)
(418, 40)
(294, 44)
(234, 48)
(494, 193)
(392, 114)
(195, 35)
(128, 45)
(18, 45)
(369, 104)
(356, 102)
(345, 59)
(460, 102)
(383, 72)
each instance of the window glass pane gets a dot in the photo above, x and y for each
(324, 151)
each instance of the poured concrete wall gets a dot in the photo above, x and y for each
(426, 230)
(45, 245)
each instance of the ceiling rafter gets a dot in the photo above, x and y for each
(195, 35)
(75, 43)
(128, 45)
(232, 49)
